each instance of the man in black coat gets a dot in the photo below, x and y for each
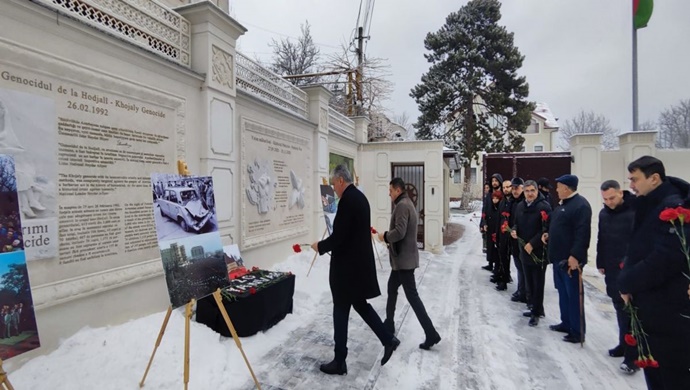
(531, 222)
(521, 294)
(615, 228)
(568, 239)
(652, 278)
(352, 275)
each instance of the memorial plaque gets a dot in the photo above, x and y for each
(275, 177)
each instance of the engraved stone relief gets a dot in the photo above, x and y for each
(262, 189)
(297, 194)
(221, 67)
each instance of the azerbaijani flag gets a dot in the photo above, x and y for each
(642, 11)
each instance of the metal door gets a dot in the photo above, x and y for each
(413, 176)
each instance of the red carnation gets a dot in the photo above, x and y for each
(669, 215)
(493, 237)
(652, 363)
(641, 363)
(252, 290)
(505, 227)
(254, 269)
(620, 265)
(630, 340)
(297, 248)
(373, 231)
(544, 216)
(683, 214)
(483, 215)
(505, 214)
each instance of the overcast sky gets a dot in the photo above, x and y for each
(577, 53)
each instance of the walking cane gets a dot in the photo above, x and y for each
(582, 308)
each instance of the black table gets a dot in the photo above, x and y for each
(250, 313)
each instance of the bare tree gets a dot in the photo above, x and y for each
(587, 123)
(404, 121)
(674, 126)
(376, 85)
(301, 57)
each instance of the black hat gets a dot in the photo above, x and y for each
(569, 180)
(517, 182)
(543, 182)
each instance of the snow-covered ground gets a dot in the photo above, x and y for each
(486, 343)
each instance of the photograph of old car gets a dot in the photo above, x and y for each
(183, 205)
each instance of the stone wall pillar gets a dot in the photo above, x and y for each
(317, 110)
(214, 37)
(636, 144)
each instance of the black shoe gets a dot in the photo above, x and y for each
(510, 280)
(572, 339)
(529, 306)
(528, 313)
(390, 326)
(629, 368)
(488, 267)
(559, 328)
(334, 368)
(518, 298)
(492, 279)
(501, 287)
(618, 351)
(483, 250)
(430, 341)
(388, 350)
(533, 321)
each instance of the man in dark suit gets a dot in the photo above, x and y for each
(352, 275)
(568, 239)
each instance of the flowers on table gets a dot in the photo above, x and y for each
(252, 290)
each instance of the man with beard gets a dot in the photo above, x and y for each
(615, 228)
(496, 180)
(653, 276)
(521, 294)
(568, 238)
(531, 219)
(501, 274)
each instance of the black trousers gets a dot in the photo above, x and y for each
(623, 317)
(521, 289)
(535, 277)
(341, 316)
(406, 279)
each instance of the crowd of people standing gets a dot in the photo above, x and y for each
(642, 256)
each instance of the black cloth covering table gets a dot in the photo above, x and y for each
(268, 302)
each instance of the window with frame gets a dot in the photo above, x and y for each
(457, 178)
(538, 148)
(533, 128)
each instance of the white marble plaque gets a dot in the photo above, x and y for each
(276, 177)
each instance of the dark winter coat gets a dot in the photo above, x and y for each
(514, 202)
(402, 235)
(352, 274)
(653, 274)
(613, 237)
(530, 227)
(492, 220)
(486, 203)
(505, 206)
(570, 230)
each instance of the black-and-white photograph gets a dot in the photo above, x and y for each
(194, 267)
(234, 261)
(329, 202)
(183, 206)
(28, 133)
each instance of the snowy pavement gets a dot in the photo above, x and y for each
(486, 343)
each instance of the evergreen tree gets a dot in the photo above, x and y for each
(472, 97)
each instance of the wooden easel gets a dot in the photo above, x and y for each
(317, 253)
(182, 169)
(4, 380)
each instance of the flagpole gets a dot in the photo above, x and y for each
(635, 111)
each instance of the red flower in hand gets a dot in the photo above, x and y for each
(483, 215)
(505, 227)
(652, 363)
(493, 237)
(373, 231)
(505, 214)
(641, 363)
(544, 216)
(620, 265)
(630, 340)
(297, 248)
(252, 290)
(683, 214)
(669, 215)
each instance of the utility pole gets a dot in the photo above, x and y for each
(360, 67)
